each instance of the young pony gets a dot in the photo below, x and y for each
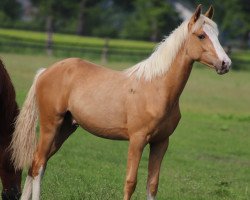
(140, 104)
(11, 179)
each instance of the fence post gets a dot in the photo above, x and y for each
(49, 42)
(104, 56)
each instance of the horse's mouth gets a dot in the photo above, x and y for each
(219, 69)
(209, 65)
(222, 71)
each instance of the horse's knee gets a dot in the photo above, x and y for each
(130, 185)
(153, 188)
(38, 163)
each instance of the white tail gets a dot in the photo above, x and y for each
(24, 140)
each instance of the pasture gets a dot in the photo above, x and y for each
(208, 157)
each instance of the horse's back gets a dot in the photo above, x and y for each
(61, 78)
(76, 67)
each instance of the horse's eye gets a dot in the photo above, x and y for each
(201, 37)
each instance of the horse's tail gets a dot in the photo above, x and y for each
(24, 140)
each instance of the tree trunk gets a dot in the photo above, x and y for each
(49, 30)
(154, 28)
(80, 29)
(246, 40)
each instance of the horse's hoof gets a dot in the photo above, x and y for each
(12, 194)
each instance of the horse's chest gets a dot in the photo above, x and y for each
(165, 126)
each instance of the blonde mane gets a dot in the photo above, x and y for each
(159, 62)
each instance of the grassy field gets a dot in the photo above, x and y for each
(208, 157)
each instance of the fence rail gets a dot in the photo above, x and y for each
(11, 44)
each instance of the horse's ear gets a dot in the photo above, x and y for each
(210, 12)
(196, 15)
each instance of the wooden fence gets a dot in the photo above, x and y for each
(105, 53)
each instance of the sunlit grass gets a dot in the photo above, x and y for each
(73, 39)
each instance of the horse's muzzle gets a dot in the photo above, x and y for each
(224, 67)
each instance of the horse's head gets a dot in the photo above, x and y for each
(203, 44)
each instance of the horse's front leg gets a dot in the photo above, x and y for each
(10, 178)
(157, 152)
(136, 146)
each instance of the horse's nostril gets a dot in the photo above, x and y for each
(223, 63)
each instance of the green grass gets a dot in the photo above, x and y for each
(243, 55)
(241, 60)
(208, 157)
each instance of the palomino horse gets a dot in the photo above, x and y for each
(10, 178)
(140, 104)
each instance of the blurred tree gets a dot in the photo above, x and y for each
(81, 18)
(126, 5)
(10, 10)
(109, 20)
(52, 12)
(245, 9)
(83, 13)
(232, 17)
(151, 19)
(133, 19)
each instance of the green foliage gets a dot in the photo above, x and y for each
(233, 20)
(59, 13)
(4, 19)
(130, 19)
(232, 17)
(9, 9)
(63, 9)
(151, 20)
(112, 23)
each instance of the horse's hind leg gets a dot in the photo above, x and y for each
(52, 137)
(49, 126)
(67, 128)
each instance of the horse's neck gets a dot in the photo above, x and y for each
(176, 77)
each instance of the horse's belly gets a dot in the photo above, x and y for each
(114, 133)
(110, 124)
(100, 112)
